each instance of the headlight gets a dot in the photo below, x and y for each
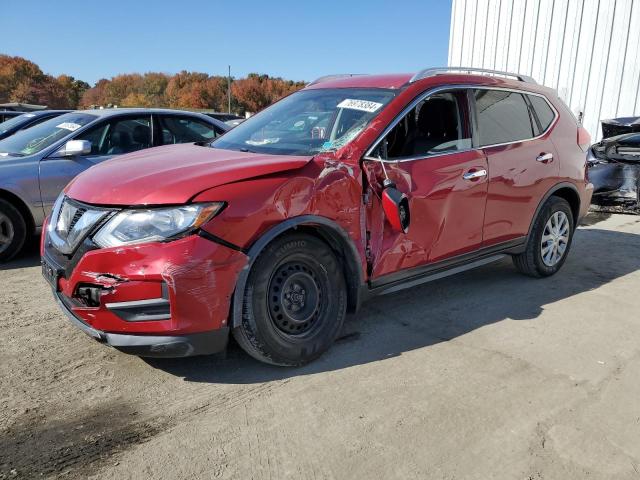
(152, 225)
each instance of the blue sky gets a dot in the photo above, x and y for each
(298, 40)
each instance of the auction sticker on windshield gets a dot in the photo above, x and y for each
(363, 105)
(72, 127)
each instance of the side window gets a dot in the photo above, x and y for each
(503, 117)
(543, 111)
(96, 136)
(119, 136)
(128, 135)
(436, 125)
(185, 130)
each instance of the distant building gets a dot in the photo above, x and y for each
(588, 50)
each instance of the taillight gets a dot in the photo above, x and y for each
(584, 139)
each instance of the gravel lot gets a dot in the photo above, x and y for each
(484, 375)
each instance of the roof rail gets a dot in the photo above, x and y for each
(429, 72)
(336, 76)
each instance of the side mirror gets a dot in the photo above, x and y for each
(396, 207)
(75, 147)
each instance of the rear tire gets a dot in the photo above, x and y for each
(13, 231)
(294, 302)
(545, 256)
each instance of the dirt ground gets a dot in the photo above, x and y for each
(487, 374)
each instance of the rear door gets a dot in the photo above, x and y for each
(108, 138)
(430, 157)
(523, 163)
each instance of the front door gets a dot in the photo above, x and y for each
(108, 139)
(430, 157)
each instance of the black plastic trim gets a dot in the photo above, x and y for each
(221, 241)
(141, 310)
(421, 274)
(168, 346)
(262, 242)
(546, 197)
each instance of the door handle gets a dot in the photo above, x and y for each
(475, 175)
(545, 157)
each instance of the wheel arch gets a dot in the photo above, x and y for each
(565, 190)
(321, 227)
(21, 206)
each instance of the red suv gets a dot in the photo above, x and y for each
(351, 187)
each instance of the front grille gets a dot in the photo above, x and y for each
(81, 211)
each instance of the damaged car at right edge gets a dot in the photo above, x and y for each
(277, 229)
(614, 170)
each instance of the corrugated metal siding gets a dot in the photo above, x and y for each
(588, 50)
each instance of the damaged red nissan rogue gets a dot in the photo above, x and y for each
(351, 187)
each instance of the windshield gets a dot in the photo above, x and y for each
(35, 139)
(308, 122)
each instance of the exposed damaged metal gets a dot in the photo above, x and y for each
(614, 169)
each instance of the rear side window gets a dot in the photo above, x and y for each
(185, 130)
(502, 117)
(543, 111)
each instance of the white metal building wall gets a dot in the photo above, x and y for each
(588, 50)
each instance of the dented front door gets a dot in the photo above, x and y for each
(447, 197)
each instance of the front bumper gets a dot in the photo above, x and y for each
(157, 299)
(203, 343)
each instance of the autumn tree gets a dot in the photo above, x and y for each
(23, 81)
(256, 92)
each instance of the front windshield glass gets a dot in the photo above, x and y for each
(35, 139)
(308, 122)
(14, 122)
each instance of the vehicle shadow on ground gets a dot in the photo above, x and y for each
(436, 312)
(28, 257)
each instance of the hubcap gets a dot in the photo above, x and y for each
(6, 232)
(555, 239)
(294, 298)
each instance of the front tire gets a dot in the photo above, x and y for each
(550, 240)
(294, 302)
(13, 231)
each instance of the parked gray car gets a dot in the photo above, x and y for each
(37, 163)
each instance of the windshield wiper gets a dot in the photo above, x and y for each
(11, 154)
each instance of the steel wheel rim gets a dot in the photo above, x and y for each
(295, 296)
(555, 239)
(6, 232)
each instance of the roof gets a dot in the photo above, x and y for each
(109, 112)
(105, 112)
(38, 113)
(396, 81)
(21, 107)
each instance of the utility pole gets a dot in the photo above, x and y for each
(229, 88)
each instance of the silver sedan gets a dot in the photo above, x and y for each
(37, 163)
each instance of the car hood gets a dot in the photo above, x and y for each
(172, 174)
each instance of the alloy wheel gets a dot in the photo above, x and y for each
(555, 238)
